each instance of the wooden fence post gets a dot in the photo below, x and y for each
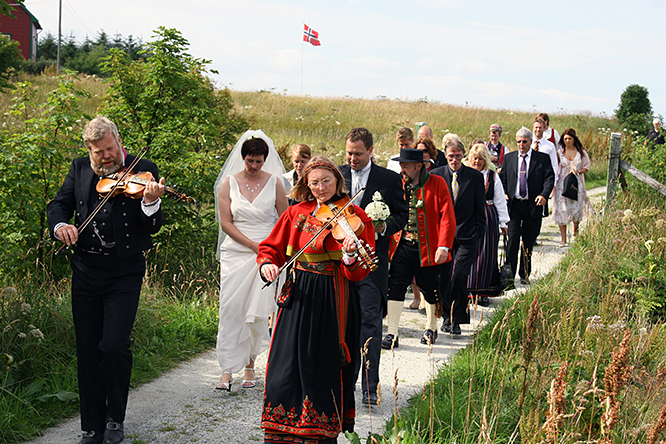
(613, 168)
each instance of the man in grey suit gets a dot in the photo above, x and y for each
(528, 179)
(358, 173)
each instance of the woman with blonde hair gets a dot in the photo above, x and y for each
(484, 275)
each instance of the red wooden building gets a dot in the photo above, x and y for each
(23, 27)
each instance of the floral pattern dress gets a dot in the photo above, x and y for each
(568, 210)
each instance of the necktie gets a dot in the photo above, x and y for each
(454, 186)
(522, 179)
(536, 146)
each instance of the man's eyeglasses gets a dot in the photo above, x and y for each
(454, 156)
(522, 141)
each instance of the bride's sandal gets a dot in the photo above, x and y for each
(249, 383)
(224, 385)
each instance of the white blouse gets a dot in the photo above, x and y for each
(499, 199)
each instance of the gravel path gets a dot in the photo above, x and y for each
(181, 407)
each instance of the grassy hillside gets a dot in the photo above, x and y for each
(323, 123)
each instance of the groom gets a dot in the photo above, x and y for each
(361, 172)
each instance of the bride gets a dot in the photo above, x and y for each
(249, 198)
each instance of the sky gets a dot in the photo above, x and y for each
(554, 57)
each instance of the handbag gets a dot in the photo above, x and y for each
(506, 274)
(570, 186)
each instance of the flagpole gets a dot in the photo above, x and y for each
(302, 63)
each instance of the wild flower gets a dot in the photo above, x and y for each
(649, 212)
(37, 333)
(628, 217)
(25, 308)
(556, 405)
(595, 324)
(660, 224)
(8, 292)
(615, 378)
(658, 427)
(649, 244)
(22, 335)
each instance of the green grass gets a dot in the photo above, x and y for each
(611, 283)
(38, 383)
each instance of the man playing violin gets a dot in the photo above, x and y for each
(108, 266)
(309, 376)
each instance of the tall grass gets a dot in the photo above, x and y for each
(592, 348)
(323, 123)
(38, 383)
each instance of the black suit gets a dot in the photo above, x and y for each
(470, 211)
(374, 288)
(107, 271)
(525, 216)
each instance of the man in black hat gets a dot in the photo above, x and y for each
(423, 244)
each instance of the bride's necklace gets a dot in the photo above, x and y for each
(253, 189)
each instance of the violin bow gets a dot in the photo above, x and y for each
(90, 217)
(321, 230)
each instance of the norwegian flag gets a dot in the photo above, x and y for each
(311, 36)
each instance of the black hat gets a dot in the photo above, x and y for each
(409, 155)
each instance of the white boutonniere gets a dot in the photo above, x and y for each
(377, 210)
(419, 204)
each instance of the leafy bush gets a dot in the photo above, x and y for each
(168, 104)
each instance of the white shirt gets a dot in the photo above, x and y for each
(516, 192)
(359, 179)
(547, 147)
(499, 198)
(393, 165)
(547, 133)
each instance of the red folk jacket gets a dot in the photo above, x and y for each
(296, 227)
(435, 218)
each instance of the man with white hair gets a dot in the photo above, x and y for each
(655, 136)
(527, 178)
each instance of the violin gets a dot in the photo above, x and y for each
(133, 184)
(346, 223)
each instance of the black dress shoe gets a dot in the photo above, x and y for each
(525, 281)
(369, 399)
(114, 432)
(455, 329)
(91, 437)
(484, 301)
(446, 326)
(429, 337)
(389, 341)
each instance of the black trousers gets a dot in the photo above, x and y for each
(522, 226)
(105, 298)
(455, 274)
(405, 266)
(372, 313)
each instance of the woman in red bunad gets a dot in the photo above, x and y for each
(309, 395)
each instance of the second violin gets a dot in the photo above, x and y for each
(133, 184)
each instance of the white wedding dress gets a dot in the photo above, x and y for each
(244, 306)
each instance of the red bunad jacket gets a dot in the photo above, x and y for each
(435, 218)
